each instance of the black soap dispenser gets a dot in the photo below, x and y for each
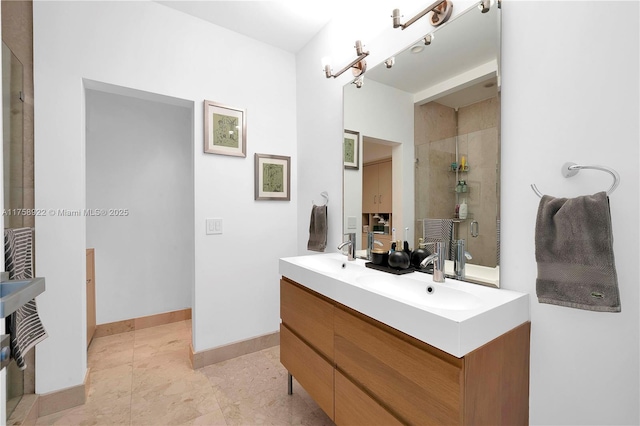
(399, 259)
(419, 254)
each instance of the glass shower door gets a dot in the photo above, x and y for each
(12, 138)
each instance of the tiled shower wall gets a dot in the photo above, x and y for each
(17, 34)
(435, 148)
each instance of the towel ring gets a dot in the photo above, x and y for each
(325, 195)
(571, 169)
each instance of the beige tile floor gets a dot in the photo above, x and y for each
(145, 377)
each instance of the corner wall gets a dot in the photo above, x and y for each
(566, 96)
(149, 47)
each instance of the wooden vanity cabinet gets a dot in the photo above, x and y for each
(383, 376)
(306, 341)
(91, 295)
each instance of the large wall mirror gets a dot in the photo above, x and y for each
(426, 124)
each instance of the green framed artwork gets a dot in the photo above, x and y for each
(351, 149)
(272, 177)
(225, 130)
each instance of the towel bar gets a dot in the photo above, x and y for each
(571, 169)
(325, 195)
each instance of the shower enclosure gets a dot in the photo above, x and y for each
(12, 119)
(446, 136)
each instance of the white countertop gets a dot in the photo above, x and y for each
(456, 317)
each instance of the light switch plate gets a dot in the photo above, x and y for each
(351, 222)
(214, 226)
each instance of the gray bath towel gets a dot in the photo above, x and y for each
(574, 251)
(318, 229)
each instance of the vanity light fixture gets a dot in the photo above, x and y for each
(358, 65)
(440, 13)
(389, 63)
(484, 6)
(428, 39)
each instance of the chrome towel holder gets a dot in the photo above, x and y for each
(571, 169)
(324, 195)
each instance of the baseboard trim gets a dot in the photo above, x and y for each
(233, 350)
(142, 322)
(26, 413)
(53, 402)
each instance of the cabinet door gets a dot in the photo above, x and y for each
(419, 383)
(385, 177)
(91, 295)
(370, 189)
(308, 316)
(354, 407)
(311, 370)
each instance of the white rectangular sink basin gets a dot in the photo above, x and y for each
(16, 293)
(456, 317)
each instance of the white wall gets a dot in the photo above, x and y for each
(566, 99)
(148, 47)
(381, 112)
(139, 157)
(570, 93)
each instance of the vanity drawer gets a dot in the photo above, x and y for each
(419, 383)
(308, 316)
(311, 370)
(355, 407)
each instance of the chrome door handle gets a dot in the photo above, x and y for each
(474, 228)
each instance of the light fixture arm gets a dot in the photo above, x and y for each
(441, 13)
(353, 64)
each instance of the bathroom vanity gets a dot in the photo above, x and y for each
(374, 348)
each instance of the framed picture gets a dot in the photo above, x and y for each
(272, 177)
(225, 130)
(350, 149)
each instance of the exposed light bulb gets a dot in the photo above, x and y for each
(326, 66)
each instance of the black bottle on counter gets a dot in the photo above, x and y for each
(419, 254)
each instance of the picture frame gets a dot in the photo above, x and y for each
(225, 130)
(272, 177)
(351, 149)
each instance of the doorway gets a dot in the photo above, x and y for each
(139, 202)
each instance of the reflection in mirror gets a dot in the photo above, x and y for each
(437, 112)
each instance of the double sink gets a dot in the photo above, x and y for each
(454, 316)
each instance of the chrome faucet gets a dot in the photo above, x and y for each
(438, 258)
(460, 259)
(371, 241)
(351, 242)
